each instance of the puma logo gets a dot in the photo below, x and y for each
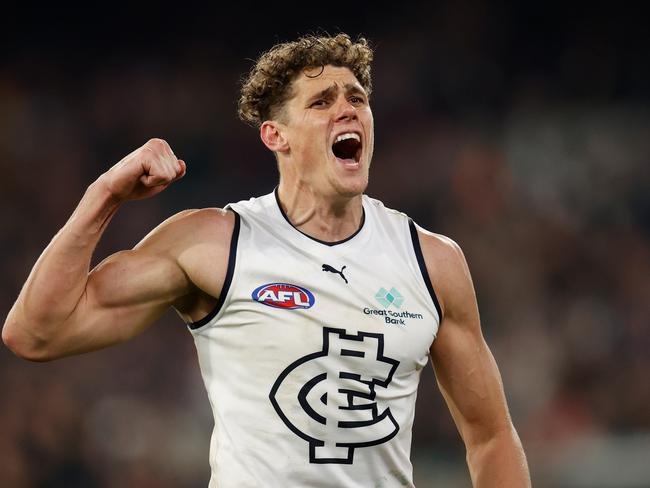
(327, 267)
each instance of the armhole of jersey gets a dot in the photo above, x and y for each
(227, 281)
(423, 267)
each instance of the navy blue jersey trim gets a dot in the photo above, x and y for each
(423, 267)
(226, 282)
(363, 221)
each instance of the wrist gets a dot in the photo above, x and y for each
(101, 191)
(95, 210)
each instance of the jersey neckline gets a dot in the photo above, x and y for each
(326, 243)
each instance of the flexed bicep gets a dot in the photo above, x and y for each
(124, 295)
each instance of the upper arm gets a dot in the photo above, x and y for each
(465, 368)
(130, 290)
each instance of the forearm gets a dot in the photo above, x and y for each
(58, 280)
(499, 462)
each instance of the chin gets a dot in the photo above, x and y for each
(350, 189)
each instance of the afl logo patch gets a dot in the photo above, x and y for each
(283, 295)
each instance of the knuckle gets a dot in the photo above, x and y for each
(160, 148)
(155, 144)
(163, 174)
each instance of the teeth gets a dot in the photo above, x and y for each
(348, 135)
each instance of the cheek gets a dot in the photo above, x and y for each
(314, 135)
(367, 116)
(370, 130)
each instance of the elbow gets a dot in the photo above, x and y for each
(23, 347)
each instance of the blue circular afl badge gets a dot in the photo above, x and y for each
(284, 295)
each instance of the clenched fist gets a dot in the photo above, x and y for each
(145, 172)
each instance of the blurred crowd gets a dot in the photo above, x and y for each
(524, 137)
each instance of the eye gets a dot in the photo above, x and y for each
(356, 100)
(318, 103)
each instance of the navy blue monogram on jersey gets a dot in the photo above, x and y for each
(312, 356)
(339, 409)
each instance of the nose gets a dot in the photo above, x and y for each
(345, 111)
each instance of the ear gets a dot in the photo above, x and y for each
(273, 137)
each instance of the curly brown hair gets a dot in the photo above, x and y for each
(267, 87)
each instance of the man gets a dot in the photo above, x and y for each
(313, 308)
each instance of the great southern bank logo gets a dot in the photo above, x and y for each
(390, 300)
(284, 295)
(328, 397)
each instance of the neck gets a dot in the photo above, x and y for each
(320, 216)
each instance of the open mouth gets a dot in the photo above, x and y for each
(347, 147)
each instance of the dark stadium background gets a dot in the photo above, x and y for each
(521, 131)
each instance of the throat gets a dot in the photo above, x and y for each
(329, 224)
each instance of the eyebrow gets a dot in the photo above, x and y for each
(350, 88)
(333, 89)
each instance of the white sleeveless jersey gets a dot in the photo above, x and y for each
(312, 356)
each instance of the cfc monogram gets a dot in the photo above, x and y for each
(338, 412)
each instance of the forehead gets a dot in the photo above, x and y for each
(314, 80)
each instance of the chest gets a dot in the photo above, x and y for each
(353, 302)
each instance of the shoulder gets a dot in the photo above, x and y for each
(379, 206)
(448, 270)
(441, 248)
(256, 206)
(196, 219)
(198, 242)
(190, 228)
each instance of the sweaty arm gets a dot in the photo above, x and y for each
(467, 373)
(65, 308)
